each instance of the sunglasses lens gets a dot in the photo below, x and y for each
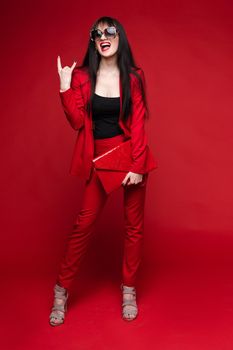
(109, 32)
(96, 34)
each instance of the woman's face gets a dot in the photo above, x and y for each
(114, 42)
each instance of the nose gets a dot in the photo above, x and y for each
(104, 36)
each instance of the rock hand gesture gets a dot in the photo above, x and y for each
(64, 74)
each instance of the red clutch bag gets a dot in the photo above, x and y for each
(113, 165)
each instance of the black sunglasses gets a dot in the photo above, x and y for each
(109, 32)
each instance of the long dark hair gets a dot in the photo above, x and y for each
(126, 65)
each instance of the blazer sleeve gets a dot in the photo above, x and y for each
(139, 140)
(72, 102)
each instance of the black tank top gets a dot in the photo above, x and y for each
(105, 116)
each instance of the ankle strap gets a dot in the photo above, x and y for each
(127, 289)
(60, 292)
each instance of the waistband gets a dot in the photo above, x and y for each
(104, 145)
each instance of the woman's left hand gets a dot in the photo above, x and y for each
(133, 178)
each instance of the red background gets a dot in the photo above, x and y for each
(185, 285)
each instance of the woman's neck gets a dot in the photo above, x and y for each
(108, 65)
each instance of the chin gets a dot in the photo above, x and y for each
(109, 54)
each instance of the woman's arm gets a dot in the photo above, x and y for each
(72, 102)
(138, 134)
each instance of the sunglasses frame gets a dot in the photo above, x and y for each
(103, 32)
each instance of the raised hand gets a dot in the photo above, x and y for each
(65, 74)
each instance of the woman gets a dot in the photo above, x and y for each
(104, 99)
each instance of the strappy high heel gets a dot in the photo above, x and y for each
(127, 312)
(58, 310)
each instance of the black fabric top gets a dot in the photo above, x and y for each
(105, 116)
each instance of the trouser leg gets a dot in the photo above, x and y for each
(77, 240)
(134, 202)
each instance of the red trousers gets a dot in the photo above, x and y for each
(92, 204)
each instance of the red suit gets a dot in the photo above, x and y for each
(74, 100)
(86, 148)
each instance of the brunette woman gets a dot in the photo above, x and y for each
(104, 99)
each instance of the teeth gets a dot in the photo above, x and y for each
(105, 45)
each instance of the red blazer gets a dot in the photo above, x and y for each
(74, 100)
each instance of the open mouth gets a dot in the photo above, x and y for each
(105, 45)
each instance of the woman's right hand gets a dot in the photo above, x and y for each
(64, 74)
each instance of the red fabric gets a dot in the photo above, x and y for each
(113, 165)
(93, 202)
(74, 101)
